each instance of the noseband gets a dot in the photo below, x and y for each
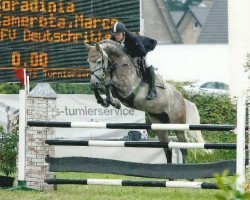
(106, 65)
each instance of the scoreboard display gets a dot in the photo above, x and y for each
(46, 37)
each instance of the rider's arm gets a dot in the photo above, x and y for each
(141, 50)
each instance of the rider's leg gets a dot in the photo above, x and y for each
(151, 77)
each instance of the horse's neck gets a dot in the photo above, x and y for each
(125, 78)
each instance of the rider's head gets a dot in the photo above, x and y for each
(118, 30)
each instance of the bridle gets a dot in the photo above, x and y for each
(106, 65)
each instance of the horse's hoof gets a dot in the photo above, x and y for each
(105, 104)
(118, 105)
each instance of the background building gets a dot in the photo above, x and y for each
(203, 22)
(220, 27)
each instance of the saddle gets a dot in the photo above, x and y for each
(140, 66)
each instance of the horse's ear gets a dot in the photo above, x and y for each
(87, 46)
(97, 46)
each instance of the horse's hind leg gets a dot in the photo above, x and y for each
(181, 138)
(162, 135)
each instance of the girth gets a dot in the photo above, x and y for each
(130, 99)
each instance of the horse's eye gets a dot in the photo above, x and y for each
(99, 62)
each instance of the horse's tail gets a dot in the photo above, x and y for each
(193, 117)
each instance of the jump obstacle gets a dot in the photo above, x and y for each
(164, 171)
(180, 127)
(92, 163)
(141, 144)
(134, 183)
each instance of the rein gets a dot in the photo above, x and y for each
(93, 73)
(108, 66)
(106, 69)
(110, 69)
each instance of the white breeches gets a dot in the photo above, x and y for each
(149, 59)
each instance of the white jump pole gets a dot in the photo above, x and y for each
(248, 132)
(240, 152)
(28, 84)
(21, 144)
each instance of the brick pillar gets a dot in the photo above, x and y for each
(41, 106)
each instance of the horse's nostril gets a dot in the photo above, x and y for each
(97, 83)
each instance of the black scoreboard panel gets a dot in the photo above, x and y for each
(46, 37)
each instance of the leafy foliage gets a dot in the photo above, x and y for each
(215, 110)
(60, 88)
(228, 186)
(66, 88)
(9, 88)
(8, 151)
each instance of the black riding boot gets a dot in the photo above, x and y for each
(151, 78)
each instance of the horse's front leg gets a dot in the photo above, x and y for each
(100, 100)
(114, 102)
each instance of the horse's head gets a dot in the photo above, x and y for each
(98, 61)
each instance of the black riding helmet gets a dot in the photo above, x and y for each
(118, 27)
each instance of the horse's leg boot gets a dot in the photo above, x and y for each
(152, 89)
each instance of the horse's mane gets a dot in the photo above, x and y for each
(112, 46)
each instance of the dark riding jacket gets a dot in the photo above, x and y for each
(137, 45)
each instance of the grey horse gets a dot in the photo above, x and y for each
(114, 72)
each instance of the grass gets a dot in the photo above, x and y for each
(84, 192)
(110, 193)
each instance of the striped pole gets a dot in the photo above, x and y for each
(181, 127)
(138, 183)
(181, 145)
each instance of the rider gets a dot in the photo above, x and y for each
(137, 46)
